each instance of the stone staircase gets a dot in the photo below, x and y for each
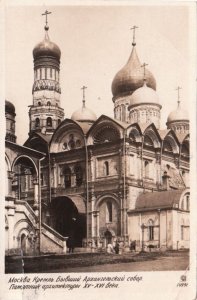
(50, 241)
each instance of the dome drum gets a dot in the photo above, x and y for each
(144, 104)
(49, 62)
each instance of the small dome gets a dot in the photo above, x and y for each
(131, 76)
(84, 114)
(9, 107)
(46, 48)
(178, 115)
(143, 95)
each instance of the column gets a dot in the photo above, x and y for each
(10, 178)
(93, 199)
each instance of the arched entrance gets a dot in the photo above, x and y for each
(108, 237)
(25, 181)
(23, 244)
(68, 220)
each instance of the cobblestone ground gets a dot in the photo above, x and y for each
(99, 262)
(160, 264)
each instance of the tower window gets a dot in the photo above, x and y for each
(45, 73)
(37, 123)
(106, 168)
(58, 121)
(48, 103)
(51, 73)
(39, 103)
(49, 121)
(40, 73)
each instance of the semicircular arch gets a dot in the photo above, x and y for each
(106, 197)
(24, 159)
(174, 145)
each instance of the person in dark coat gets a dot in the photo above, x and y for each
(116, 247)
(70, 244)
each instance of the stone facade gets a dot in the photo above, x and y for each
(96, 181)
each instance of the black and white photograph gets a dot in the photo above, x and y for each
(100, 109)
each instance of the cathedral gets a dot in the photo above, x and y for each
(96, 180)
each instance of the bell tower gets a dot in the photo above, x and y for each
(46, 113)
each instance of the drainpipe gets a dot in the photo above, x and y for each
(161, 153)
(49, 171)
(142, 168)
(40, 204)
(124, 182)
(87, 187)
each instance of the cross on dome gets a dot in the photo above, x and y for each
(144, 66)
(134, 28)
(46, 13)
(84, 88)
(178, 90)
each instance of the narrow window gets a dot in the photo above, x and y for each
(51, 73)
(40, 73)
(151, 230)
(79, 175)
(48, 103)
(187, 202)
(106, 168)
(37, 123)
(109, 211)
(49, 122)
(182, 232)
(67, 177)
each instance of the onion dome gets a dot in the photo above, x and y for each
(178, 115)
(9, 107)
(84, 114)
(46, 48)
(131, 77)
(144, 95)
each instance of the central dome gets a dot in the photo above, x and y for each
(84, 114)
(144, 95)
(131, 76)
(46, 48)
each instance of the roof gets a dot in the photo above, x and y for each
(45, 137)
(158, 200)
(85, 126)
(181, 136)
(163, 133)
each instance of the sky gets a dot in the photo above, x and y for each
(95, 43)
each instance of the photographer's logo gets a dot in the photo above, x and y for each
(182, 281)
